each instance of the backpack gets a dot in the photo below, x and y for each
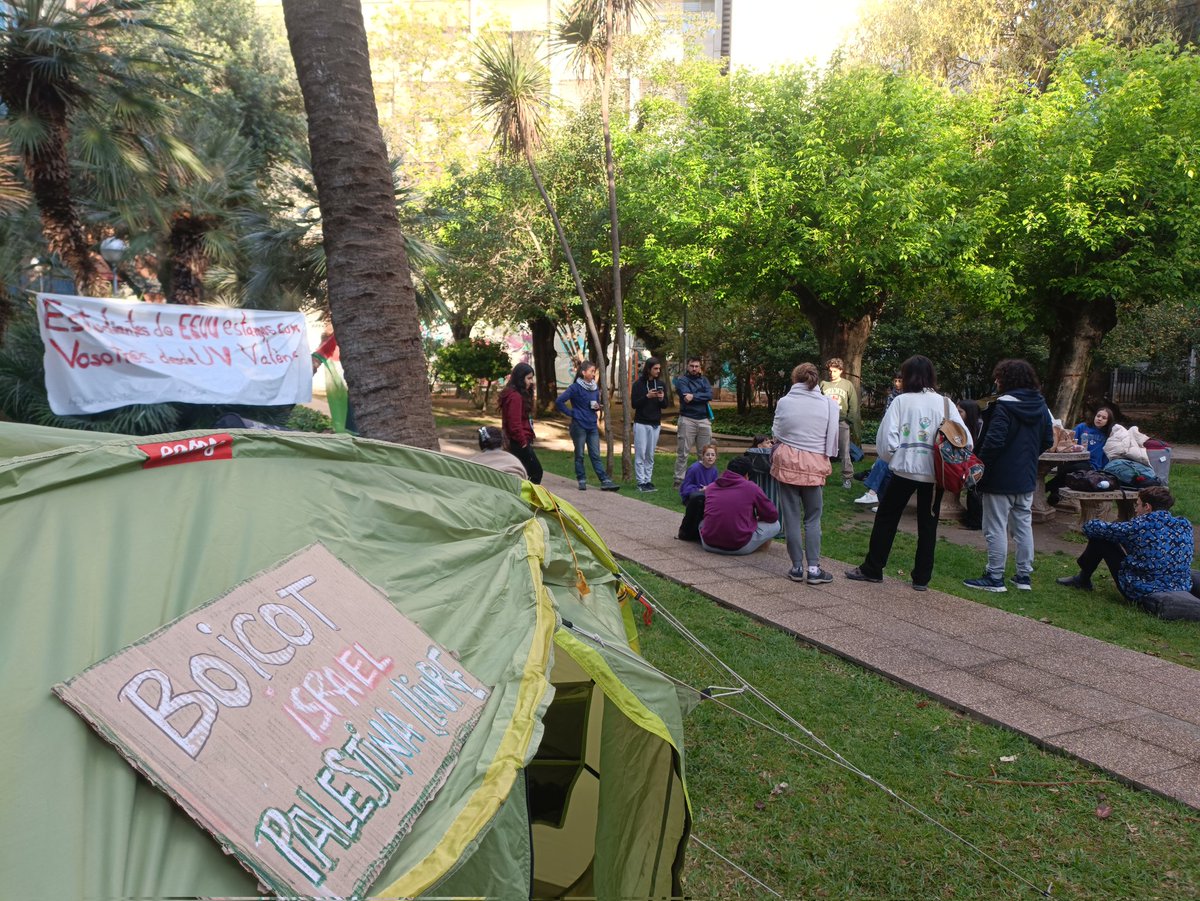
(954, 466)
(1131, 473)
(1090, 480)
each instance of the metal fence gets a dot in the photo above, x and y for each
(1128, 385)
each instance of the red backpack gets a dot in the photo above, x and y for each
(954, 466)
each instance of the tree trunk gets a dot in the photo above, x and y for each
(49, 171)
(838, 336)
(583, 298)
(542, 333)
(1078, 329)
(371, 297)
(188, 259)
(615, 240)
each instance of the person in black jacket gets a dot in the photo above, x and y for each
(648, 397)
(1017, 429)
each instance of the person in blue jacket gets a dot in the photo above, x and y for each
(1091, 437)
(1147, 554)
(583, 395)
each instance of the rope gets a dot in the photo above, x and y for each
(581, 584)
(828, 753)
(745, 873)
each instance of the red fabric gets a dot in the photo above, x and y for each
(512, 417)
(329, 349)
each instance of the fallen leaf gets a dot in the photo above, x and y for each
(1009, 759)
(1104, 811)
(1045, 619)
(780, 788)
(760, 805)
(921, 705)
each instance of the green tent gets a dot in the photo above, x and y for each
(572, 781)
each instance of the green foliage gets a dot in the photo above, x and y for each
(466, 363)
(306, 419)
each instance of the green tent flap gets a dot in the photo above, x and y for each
(578, 747)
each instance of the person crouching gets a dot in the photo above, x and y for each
(738, 517)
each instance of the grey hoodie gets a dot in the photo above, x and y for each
(807, 420)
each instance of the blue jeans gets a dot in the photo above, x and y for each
(591, 437)
(879, 476)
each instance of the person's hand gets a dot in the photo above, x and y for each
(688, 398)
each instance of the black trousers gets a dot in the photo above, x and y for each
(1101, 550)
(693, 515)
(887, 520)
(533, 466)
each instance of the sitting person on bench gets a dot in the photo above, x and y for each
(733, 516)
(1148, 554)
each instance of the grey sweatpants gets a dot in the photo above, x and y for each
(1002, 512)
(806, 543)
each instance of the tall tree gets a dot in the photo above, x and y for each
(1099, 173)
(65, 70)
(371, 298)
(511, 85)
(591, 28)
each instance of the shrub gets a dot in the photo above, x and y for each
(467, 363)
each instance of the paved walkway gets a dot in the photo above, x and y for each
(1132, 715)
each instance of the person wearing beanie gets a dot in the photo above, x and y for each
(492, 454)
(738, 517)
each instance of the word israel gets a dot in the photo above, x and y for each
(201, 705)
(362, 776)
(101, 353)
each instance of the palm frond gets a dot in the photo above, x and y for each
(511, 86)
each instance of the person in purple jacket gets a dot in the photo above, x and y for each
(700, 474)
(738, 517)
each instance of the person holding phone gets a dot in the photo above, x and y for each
(583, 395)
(648, 398)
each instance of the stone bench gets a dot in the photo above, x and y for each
(1092, 504)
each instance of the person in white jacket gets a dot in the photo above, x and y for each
(905, 440)
(806, 432)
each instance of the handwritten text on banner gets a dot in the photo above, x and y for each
(102, 353)
(300, 718)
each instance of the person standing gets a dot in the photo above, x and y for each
(583, 395)
(806, 435)
(516, 419)
(905, 442)
(1147, 554)
(648, 397)
(1017, 429)
(849, 424)
(694, 428)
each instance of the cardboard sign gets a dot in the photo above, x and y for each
(300, 718)
(102, 353)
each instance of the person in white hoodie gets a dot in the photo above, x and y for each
(905, 441)
(806, 434)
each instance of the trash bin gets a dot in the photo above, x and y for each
(1160, 462)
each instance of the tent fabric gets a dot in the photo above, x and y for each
(100, 551)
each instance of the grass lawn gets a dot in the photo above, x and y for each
(1102, 614)
(808, 828)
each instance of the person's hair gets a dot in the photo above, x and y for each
(1012, 375)
(835, 363)
(759, 440)
(648, 365)
(1112, 419)
(917, 374)
(490, 438)
(694, 359)
(584, 366)
(807, 374)
(1157, 497)
(516, 382)
(972, 417)
(707, 446)
(740, 465)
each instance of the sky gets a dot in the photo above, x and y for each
(774, 32)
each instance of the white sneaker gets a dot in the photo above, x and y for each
(869, 498)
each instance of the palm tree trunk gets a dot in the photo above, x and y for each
(188, 259)
(614, 228)
(49, 170)
(587, 307)
(371, 297)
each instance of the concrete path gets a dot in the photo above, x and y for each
(1132, 715)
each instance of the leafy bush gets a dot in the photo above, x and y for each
(467, 363)
(306, 419)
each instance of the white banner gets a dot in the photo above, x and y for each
(103, 353)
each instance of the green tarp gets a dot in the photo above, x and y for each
(580, 790)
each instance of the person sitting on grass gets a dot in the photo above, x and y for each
(738, 517)
(700, 474)
(1147, 554)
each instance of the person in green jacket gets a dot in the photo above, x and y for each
(849, 422)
